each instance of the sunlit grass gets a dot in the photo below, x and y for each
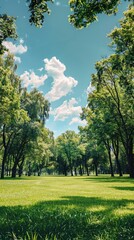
(67, 208)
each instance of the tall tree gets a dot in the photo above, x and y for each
(37, 108)
(114, 85)
(10, 110)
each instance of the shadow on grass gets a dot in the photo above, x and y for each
(20, 178)
(70, 218)
(108, 179)
(124, 188)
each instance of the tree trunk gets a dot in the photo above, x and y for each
(10, 167)
(65, 170)
(75, 170)
(5, 153)
(81, 172)
(21, 166)
(130, 158)
(20, 170)
(96, 169)
(3, 163)
(110, 161)
(71, 171)
(87, 170)
(107, 144)
(119, 167)
(14, 169)
(115, 144)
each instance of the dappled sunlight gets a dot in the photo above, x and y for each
(66, 217)
(128, 209)
(59, 207)
(97, 209)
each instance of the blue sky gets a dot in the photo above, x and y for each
(59, 59)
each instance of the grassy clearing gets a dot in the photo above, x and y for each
(69, 208)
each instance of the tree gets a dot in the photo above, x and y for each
(22, 115)
(7, 29)
(10, 110)
(112, 99)
(68, 151)
(37, 108)
(95, 154)
(41, 152)
(85, 12)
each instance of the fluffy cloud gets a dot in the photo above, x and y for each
(62, 85)
(21, 41)
(78, 121)
(66, 110)
(31, 79)
(40, 69)
(90, 88)
(17, 59)
(15, 49)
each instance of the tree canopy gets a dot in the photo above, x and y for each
(110, 105)
(83, 13)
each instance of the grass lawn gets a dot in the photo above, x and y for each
(67, 208)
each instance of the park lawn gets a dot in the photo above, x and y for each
(67, 208)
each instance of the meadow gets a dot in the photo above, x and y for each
(67, 208)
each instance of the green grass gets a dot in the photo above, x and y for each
(67, 208)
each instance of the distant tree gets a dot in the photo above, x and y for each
(67, 151)
(40, 154)
(95, 153)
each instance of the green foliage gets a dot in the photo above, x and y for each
(9, 92)
(22, 118)
(36, 105)
(85, 12)
(68, 151)
(7, 29)
(37, 10)
(110, 105)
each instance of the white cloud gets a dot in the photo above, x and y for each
(21, 41)
(40, 69)
(66, 110)
(90, 88)
(31, 79)
(17, 59)
(62, 85)
(15, 49)
(77, 120)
